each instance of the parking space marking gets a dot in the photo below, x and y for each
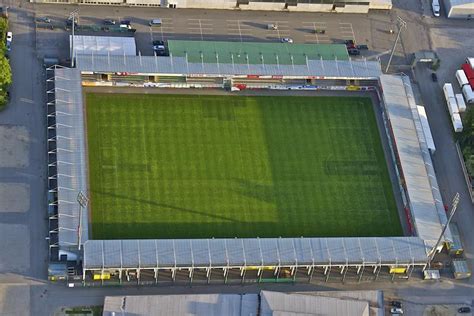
(201, 27)
(282, 31)
(347, 31)
(238, 28)
(316, 37)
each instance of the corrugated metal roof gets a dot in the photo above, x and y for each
(71, 157)
(255, 52)
(103, 45)
(398, 97)
(104, 254)
(179, 66)
(183, 305)
(276, 303)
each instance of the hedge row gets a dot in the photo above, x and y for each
(5, 70)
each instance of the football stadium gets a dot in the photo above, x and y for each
(235, 162)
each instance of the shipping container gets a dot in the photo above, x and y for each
(460, 102)
(468, 71)
(455, 248)
(461, 269)
(468, 94)
(461, 77)
(470, 61)
(457, 123)
(452, 106)
(448, 91)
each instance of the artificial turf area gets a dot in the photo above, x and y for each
(193, 166)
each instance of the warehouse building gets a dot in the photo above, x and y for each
(459, 9)
(342, 6)
(360, 303)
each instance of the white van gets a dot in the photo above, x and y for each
(435, 6)
(155, 22)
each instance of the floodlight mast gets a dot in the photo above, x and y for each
(83, 200)
(73, 16)
(401, 25)
(454, 207)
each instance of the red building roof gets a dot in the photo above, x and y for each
(468, 71)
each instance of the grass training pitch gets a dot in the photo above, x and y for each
(194, 166)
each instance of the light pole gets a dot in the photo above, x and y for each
(401, 25)
(73, 17)
(83, 200)
(454, 207)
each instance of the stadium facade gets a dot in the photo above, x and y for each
(341, 6)
(149, 261)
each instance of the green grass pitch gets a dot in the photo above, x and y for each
(193, 166)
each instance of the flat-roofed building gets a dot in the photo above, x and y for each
(340, 6)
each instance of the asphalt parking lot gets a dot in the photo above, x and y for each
(213, 25)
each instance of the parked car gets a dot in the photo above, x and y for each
(397, 304)
(272, 27)
(435, 7)
(434, 77)
(364, 47)
(109, 22)
(43, 19)
(158, 42)
(396, 311)
(9, 37)
(126, 22)
(464, 310)
(69, 23)
(286, 40)
(353, 51)
(155, 22)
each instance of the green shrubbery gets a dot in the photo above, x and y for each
(5, 70)
(466, 139)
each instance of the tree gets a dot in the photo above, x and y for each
(5, 72)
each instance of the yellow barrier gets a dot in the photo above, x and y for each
(398, 270)
(353, 88)
(101, 276)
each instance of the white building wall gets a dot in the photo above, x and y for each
(152, 3)
(306, 7)
(206, 4)
(380, 4)
(459, 9)
(350, 8)
(232, 4)
(265, 6)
